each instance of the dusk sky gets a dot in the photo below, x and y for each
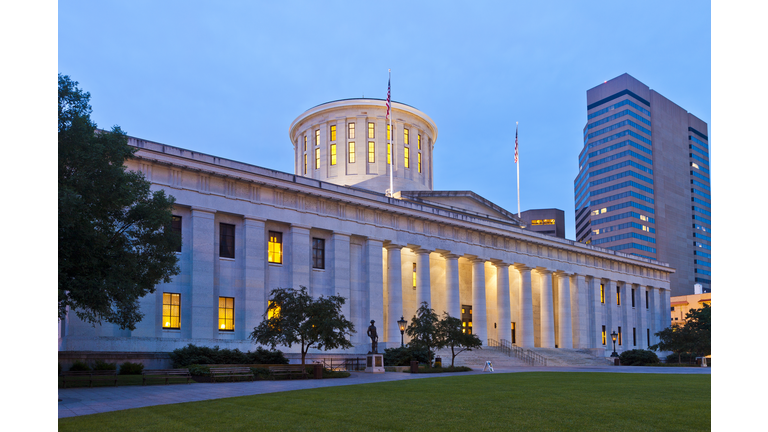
(228, 78)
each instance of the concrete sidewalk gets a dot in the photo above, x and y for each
(83, 401)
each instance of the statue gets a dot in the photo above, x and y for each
(374, 338)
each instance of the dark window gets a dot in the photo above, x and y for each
(648, 334)
(226, 240)
(176, 227)
(633, 297)
(634, 337)
(318, 253)
(646, 299)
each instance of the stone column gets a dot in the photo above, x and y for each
(453, 302)
(423, 284)
(547, 313)
(666, 317)
(394, 294)
(301, 260)
(640, 316)
(340, 269)
(579, 311)
(503, 304)
(525, 326)
(375, 287)
(255, 271)
(565, 331)
(625, 320)
(203, 253)
(612, 313)
(479, 321)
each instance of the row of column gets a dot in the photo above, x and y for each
(553, 308)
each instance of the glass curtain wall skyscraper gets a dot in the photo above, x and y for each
(643, 186)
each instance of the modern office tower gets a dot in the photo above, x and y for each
(643, 186)
(545, 221)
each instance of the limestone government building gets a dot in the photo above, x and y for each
(334, 227)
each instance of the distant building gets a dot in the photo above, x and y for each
(545, 221)
(680, 305)
(643, 186)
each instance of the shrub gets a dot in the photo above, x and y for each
(262, 373)
(638, 357)
(684, 358)
(129, 368)
(192, 354)
(199, 370)
(79, 366)
(403, 356)
(265, 356)
(99, 365)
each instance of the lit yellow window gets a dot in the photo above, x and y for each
(389, 153)
(333, 154)
(604, 338)
(389, 134)
(305, 143)
(419, 161)
(414, 275)
(226, 313)
(317, 137)
(333, 133)
(405, 137)
(694, 165)
(273, 311)
(618, 297)
(602, 293)
(351, 131)
(275, 247)
(371, 130)
(418, 140)
(305, 163)
(462, 310)
(603, 210)
(317, 158)
(352, 152)
(171, 310)
(407, 157)
(371, 152)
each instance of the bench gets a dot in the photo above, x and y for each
(231, 372)
(289, 370)
(90, 376)
(165, 373)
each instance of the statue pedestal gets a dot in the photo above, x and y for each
(374, 363)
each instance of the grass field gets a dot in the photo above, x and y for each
(549, 401)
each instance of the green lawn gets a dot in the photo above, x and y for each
(556, 401)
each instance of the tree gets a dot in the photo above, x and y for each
(294, 317)
(423, 329)
(115, 237)
(450, 334)
(693, 336)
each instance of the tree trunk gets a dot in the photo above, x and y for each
(453, 356)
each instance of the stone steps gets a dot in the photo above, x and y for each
(554, 356)
(478, 357)
(570, 357)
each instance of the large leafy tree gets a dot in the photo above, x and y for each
(115, 237)
(450, 334)
(423, 329)
(294, 317)
(693, 336)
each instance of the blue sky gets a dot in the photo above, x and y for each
(228, 78)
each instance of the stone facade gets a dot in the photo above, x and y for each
(383, 254)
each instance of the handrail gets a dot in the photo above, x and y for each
(529, 357)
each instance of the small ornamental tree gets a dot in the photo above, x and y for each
(294, 317)
(423, 329)
(694, 336)
(450, 334)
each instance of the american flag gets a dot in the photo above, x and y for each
(515, 144)
(388, 93)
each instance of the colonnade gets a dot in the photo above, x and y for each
(549, 307)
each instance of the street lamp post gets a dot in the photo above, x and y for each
(401, 323)
(613, 336)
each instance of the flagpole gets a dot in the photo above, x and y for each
(391, 135)
(517, 160)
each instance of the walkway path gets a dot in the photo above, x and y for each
(83, 401)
